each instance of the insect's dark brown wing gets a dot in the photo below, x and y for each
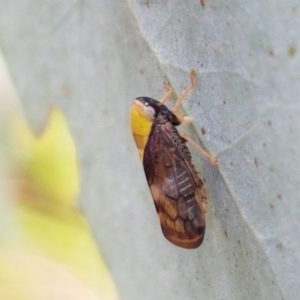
(177, 190)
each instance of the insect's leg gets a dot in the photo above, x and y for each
(186, 91)
(186, 119)
(169, 93)
(210, 158)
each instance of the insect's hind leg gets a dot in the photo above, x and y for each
(186, 119)
(210, 158)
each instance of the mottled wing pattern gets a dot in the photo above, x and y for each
(177, 190)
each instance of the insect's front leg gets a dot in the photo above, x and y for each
(175, 109)
(185, 92)
(169, 93)
(213, 160)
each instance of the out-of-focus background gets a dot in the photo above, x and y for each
(88, 60)
(47, 250)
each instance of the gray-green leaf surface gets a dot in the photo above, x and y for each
(92, 58)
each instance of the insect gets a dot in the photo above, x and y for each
(178, 192)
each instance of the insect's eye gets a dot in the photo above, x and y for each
(150, 111)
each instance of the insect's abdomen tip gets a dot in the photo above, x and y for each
(186, 243)
(184, 240)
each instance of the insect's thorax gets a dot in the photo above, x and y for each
(171, 135)
(166, 116)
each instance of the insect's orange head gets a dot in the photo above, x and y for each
(155, 111)
(140, 123)
(144, 112)
(147, 107)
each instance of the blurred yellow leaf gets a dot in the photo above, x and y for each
(51, 253)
